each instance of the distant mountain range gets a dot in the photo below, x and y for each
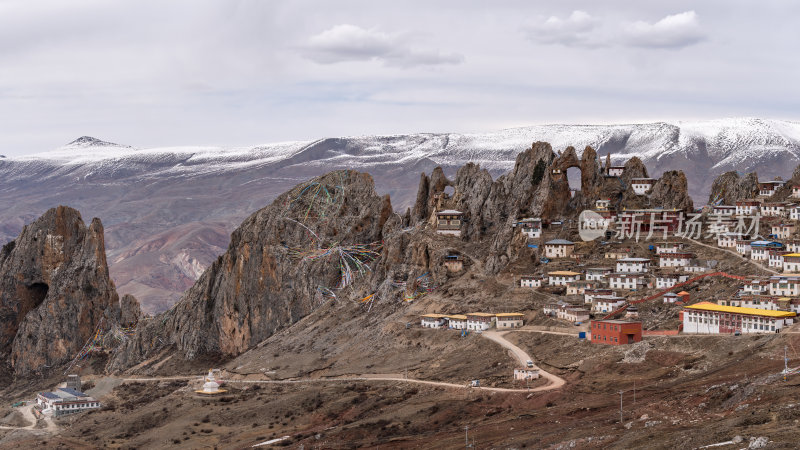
(168, 212)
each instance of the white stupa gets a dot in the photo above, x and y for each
(211, 386)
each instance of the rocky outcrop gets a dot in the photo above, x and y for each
(282, 262)
(634, 168)
(54, 290)
(671, 191)
(730, 187)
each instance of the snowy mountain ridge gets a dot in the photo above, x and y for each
(168, 211)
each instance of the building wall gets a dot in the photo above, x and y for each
(504, 323)
(530, 283)
(615, 334)
(557, 251)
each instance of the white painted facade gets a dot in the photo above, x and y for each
(531, 227)
(432, 321)
(773, 209)
(759, 253)
(755, 287)
(674, 259)
(625, 281)
(573, 314)
(743, 247)
(728, 240)
(775, 259)
(598, 273)
(708, 322)
(668, 247)
(616, 171)
(747, 208)
(607, 304)
(724, 210)
(784, 286)
(791, 263)
(783, 231)
(667, 281)
(562, 278)
(633, 265)
(530, 281)
(642, 185)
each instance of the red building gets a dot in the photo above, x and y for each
(615, 332)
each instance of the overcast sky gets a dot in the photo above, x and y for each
(156, 73)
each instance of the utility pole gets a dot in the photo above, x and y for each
(620, 406)
(785, 362)
(466, 436)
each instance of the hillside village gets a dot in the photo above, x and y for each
(651, 256)
(583, 290)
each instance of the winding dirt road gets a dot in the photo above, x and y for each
(497, 336)
(555, 382)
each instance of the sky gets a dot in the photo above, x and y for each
(235, 73)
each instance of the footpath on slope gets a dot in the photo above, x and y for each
(719, 249)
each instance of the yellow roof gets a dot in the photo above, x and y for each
(509, 314)
(481, 314)
(791, 254)
(457, 317)
(708, 306)
(434, 316)
(563, 272)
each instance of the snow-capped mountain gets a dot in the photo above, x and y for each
(168, 211)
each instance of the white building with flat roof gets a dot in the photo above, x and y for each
(562, 277)
(633, 265)
(642, 185)
(65, 401)
(710, 318)
(530, 281)
(785, 285)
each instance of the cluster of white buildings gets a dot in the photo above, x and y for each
(478, 321)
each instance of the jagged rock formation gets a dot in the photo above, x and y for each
(671, 191)
(730, 187)
(54, 290)
(260, 285)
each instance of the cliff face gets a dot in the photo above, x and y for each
(282, 262)
(54, 289)
(671, 191)
(288, 258)
(730, 187)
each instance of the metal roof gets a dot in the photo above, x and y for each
(73, 392)
(49, 395)
(559, 242)
(708, 306)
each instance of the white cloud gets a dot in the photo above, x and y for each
(575, 30)
(346, 42)
(674, 31)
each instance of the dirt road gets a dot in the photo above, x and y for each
(497, 336)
